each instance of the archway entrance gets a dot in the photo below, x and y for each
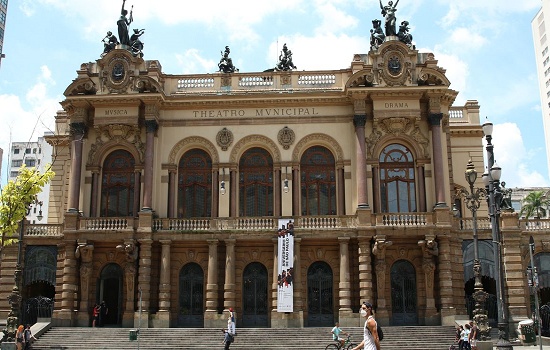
(486, 258)
(319, 295)
(191, 297)
(403, 294)
(39, 283)
(255, 306)
(110, 291)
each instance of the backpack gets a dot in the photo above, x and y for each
(27, 334)
(380, 332)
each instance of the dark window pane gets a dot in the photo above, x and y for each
(117, 191)
(397, 182)
(318, 182)
(195, 184)
(256, 183)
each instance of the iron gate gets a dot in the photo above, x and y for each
(191, 297)
(319, 295)
(255, 304)
(35, 308)
(403, 294)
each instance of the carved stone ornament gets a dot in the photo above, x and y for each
(224, 138)
(286, 137)
(395, 67)
(117, 76)
(226, 81)
(115, 133)
(286, 79)
(546, 245)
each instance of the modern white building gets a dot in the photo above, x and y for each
(3, 14)
(33, 154)
(541, 29)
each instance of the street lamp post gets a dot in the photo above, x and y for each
(15, 298)
(472, 201)
(491, 180)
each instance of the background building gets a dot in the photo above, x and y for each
(3, 14)
(541, 30)
(33, 154)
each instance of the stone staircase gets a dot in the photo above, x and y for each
(395, 338)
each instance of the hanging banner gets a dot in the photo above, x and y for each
(285, 266)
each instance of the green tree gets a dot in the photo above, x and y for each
(15, 199)
(535, 204)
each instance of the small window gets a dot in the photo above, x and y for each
(28, 151)
(30, 162)
(34, 151)
(16, 151)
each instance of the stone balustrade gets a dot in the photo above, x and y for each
(53, 230)
(107, 223)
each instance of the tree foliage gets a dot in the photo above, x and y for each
(535, 204)
(16, 197)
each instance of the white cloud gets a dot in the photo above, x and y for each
(465, 38)
(192, 62)
(512, 156)
(334, 20)
(457, 69)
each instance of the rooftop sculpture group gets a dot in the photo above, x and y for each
(378, 36)
(130, 43)
(226, 63)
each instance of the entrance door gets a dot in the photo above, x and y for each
(403, 294)
(255, 305)
(110, 291)
(39, 283)
(191, 312)
(319, 295)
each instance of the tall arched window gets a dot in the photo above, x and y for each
(318, 182)
(117, 189)
(256, 183)
(195, 184)
(397, 186)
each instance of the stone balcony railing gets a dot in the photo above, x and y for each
(50, 230)
(219, 83)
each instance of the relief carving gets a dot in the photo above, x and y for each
(257, 140)
(115, 134)
(190, 142)
(334, 146)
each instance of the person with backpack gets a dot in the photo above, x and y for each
(28, 337)
(370, 331)
(227, 339)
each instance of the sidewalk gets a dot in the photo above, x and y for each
(529, 347)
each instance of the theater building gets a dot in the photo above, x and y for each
(170, 189)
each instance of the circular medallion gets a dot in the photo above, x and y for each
(394, 65)
(286, 137)
(118, 71)
(224, 139)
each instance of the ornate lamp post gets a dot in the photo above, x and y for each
(472, 201)
(533, 281)
(15, 298)
(491, 180)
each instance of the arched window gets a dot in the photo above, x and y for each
(318, 182)
(397, 186)
(195, 184)
(117, 190)
(256, 183)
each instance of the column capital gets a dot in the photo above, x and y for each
(435, 119)
(343, 239)
(213, 241)
(165, 241)
(151, 125)
(78, 128)
(359, 120)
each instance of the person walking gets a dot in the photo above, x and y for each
(231, 321)
(227, 339)
(370, 333)
(28, 337)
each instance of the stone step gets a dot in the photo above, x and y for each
(247, 338)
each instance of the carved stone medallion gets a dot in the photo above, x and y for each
(224, 138)
(117, 75)
(286, 137)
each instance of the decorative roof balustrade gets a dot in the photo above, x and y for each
(53, 230)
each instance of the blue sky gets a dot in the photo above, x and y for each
(485, 46)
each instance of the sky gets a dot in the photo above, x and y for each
(486, 46)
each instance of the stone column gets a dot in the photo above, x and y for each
(165, 282)
(95, 193)
(379, 251)
(296, 210)
(131, 254)
(430, 251)
(344, 293)
(137, 190)
(144, 281)
(172, 192)
(296, 279)
(365, 270)
(277, 192)
(341, 209)
(151, 128)
(445, 267)
(215, 194)
(437, 150)
(233, 189)
(85, 252)
(212, 283)
(65, 316)
(229, 285)
(78, 131)
(359, 121)
(421, 188)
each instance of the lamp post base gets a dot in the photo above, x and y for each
(503, 342)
